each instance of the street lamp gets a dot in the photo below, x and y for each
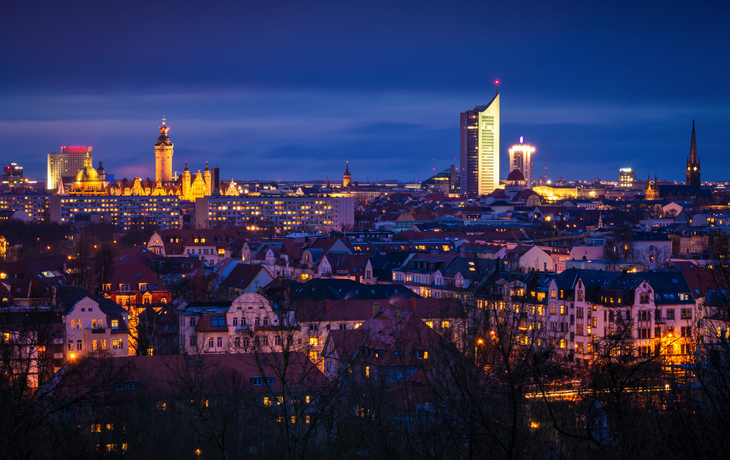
(476, 350)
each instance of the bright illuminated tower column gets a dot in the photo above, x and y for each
(520, 158)
(479, 149)
(163, 155)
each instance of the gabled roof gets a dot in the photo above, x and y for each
(66, 297)
(242, 276)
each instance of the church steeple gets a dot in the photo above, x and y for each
(693, 161)
(347, 177)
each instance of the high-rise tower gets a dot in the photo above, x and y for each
(480, 149)
(693, 161)
(163, 155)
(520, 158)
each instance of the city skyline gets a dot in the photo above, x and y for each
(384, 90)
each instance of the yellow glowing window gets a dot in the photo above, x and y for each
(314, 341)
(445, 323)
(429, 324)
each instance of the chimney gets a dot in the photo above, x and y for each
(376, 308)
(413, 303)
(327, 305)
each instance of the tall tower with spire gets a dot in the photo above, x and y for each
(163, 155)
(346, 178)
(693, 161)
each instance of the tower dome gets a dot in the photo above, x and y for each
(516, 175)
(87, 173)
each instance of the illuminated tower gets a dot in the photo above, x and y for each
(185, 183)
(520, 159)
(65, 164)
(208, 181)
(346, 178)
(163, 155)
(480, 149)
(693, 161)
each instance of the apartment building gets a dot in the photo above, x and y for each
(284, 214)
(123, 211)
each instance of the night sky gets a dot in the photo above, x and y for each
(288, 90)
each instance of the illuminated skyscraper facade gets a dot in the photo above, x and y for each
(626, 177)
(520, 159)
(480, 149)
(65, 164)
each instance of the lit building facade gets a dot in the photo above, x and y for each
(65, 164)
(163, 155)
(284, 214)
(123, 211)
(36, 206)
(520, 159)
(12, 176)
(479, 149)
(626, 177)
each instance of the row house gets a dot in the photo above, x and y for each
(251, 323)
(211, 245)
(579, 313)
(443, 276)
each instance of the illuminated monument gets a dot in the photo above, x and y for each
(693, 161)
(479, 139)
(163, 155)
(347, 177)
(520, 159)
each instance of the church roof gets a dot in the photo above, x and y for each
(516, 175)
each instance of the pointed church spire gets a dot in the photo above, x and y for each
(693, 145)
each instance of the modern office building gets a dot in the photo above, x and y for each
(479, 138)
(520, 159)
(12, 176)
(65, 164)
(626, 177)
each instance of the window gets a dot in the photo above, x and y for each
(103, 344)
(595, 322)
(94, 345)
(220, 342)
(96, 324)
(445, 324)
(218, 321)
(429, 324)
(237, 342)
(259, 381)
(210, 342)
(670, 313)
(367, 371)
(644, 298)
(553, 310)
(580, 296)
(115, 324)
(266, 321)
(562, 309)
(686, 313)
(686, 332)
(579, 313)
(256, 322)
(193, 341)
(192, 322)
(357, 325)
(150, 352)
(235, 322)
(314, 341)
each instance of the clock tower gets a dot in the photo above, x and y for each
(163, 155)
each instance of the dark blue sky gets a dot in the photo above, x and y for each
(288, 90)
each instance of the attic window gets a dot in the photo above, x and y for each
(218, 321)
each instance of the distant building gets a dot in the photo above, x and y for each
(163, 155)
(447, 181)
(520, 159)
(347, 177)
(693, 161)
(65, 164)
(626, 177)
(479, 151)
(12, 176)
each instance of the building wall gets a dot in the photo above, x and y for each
(64, 164)
(479, 149)
(125, 211)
